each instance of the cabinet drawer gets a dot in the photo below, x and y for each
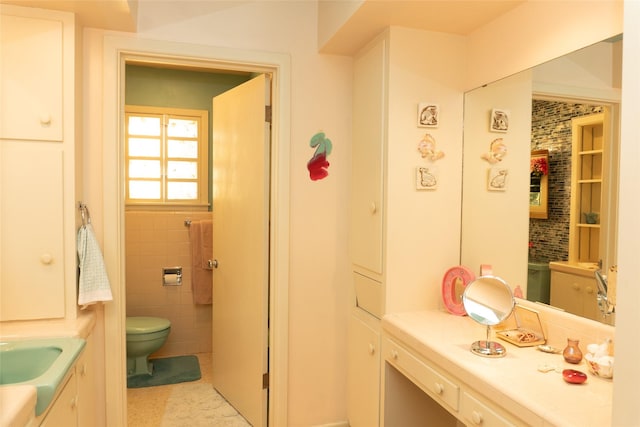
(368, 294)
(440, 388)
(477, 413)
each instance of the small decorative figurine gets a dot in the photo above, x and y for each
(427, 148)
(497, 151)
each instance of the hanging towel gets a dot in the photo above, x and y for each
(201, 273)
(206, 242)
(93, 284)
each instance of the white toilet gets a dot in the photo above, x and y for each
(144, 336)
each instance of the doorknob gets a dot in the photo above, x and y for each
(213, 263)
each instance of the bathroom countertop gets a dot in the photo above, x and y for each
(580, 268)
(512, 382)
(80, 327)
(17, 405)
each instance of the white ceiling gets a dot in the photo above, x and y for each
(448, 16)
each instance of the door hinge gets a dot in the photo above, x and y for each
(267, 113)
(265, 380)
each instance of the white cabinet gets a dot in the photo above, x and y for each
(64, 409)
(575, 290)
(367, 213)
(31, 67)
(86, 378)
(363, 371)
(75, 404)
(32, 251)
(367, 167)
(39, 159)
(455, 399)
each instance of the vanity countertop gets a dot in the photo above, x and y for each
(512, 382)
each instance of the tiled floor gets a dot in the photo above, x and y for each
(145, 406)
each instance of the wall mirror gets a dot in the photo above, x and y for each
(502, 228)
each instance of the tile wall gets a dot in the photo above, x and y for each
(161, 239)
(551, 129)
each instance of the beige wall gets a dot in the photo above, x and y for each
(154, 240)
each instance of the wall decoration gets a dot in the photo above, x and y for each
(318, 164)
(427, 148)
(497, 151)
(497, 179)
(428, 115)
(426, 178)
(499, 120)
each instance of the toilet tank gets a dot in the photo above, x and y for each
(538, 282)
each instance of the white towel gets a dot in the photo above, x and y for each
(94, 283)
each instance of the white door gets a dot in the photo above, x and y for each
(241, 247)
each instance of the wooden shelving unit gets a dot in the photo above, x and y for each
(588, 184)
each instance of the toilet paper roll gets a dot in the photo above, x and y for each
(172, 280)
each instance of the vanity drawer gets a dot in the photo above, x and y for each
(436, 385)
(476, 413)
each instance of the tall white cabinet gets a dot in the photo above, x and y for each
(39, 156)
(400, 246)
(367, 210)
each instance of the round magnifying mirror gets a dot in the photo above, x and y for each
(488, 300)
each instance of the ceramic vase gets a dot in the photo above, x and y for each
(572, 353)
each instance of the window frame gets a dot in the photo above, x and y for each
(202, 158)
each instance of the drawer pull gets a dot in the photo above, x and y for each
(394, 354)
(439, 388)
(476, 417)
(45, 119)
(373, 208)
(575, 286)
(372, 349)
(46, 259)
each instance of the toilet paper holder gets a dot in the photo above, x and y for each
(171, 276)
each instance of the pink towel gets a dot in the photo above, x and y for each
(201, 274)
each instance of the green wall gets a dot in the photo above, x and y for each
(164, 87)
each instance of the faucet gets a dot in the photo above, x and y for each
(605, 306)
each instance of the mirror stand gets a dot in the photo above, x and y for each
(487, 348)
(488, 300)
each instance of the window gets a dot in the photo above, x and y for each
(166, 156)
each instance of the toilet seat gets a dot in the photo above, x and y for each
(146, 325)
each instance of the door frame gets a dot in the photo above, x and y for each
(118, 50)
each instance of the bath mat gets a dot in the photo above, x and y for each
(199, 405)
(168, 370)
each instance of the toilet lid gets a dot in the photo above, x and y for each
(141, 325)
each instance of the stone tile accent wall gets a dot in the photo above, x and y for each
(551, 130)
(160, 239)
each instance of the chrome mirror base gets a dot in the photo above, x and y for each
(488, 349)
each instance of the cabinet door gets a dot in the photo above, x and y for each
(566, 292)
(30, 78)
(369, 118)
(31, 232)
(63, 411)
(363, 374)
(575, 294)
(85, 373)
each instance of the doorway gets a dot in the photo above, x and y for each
(117, 52)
